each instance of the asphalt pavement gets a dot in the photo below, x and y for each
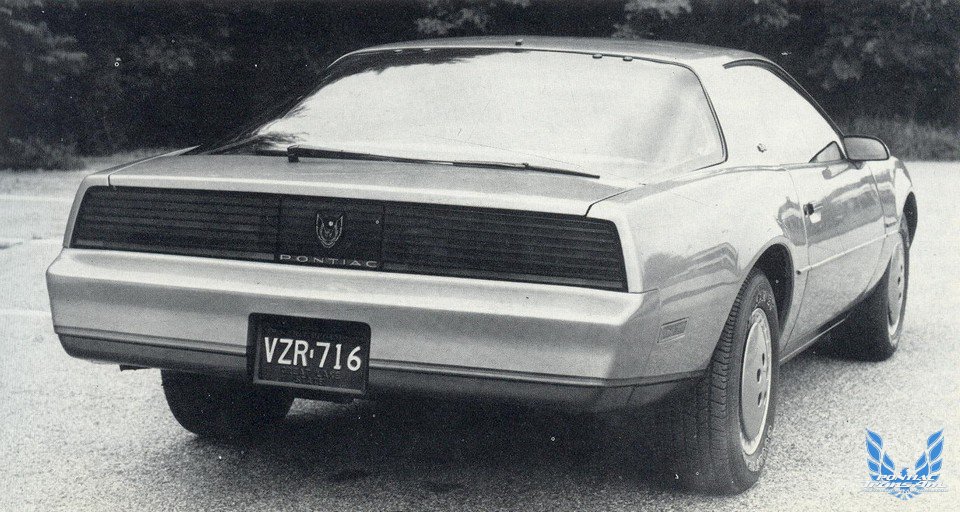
(79, 436)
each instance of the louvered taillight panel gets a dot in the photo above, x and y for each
(503, 245)
(394, 237)
(227, 225)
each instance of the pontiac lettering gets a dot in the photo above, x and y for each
(336, 262)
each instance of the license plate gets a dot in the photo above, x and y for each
(325, 355)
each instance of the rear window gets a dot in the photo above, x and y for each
(609, 116)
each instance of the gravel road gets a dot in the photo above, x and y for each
(78, 436)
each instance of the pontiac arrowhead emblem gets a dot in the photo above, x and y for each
(329, 229)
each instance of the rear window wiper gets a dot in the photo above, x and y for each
(295, 152)
(523, 166)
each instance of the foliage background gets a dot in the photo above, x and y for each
(100, 77)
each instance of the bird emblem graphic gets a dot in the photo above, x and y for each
(906, 483)
(329, 229)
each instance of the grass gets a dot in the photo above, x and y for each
(63, 183)
(40, 157)
(33, 153)
(909, 140)
(103, 162)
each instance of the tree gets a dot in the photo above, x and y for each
(122, 76)
(35, 65)
(883, 58)
(449, 17)
(745, 24)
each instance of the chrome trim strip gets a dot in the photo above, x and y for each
(152, 356)
(803, 346)
(154, 341)
(844, 253)
(562, 380)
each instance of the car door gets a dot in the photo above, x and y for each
(783, 129)
(844, 224)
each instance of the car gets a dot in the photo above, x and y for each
(587, 225)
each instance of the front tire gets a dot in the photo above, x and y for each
(721, 426)
(222, 408)
(872, 331)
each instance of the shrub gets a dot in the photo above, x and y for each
(33, 153)
(909, 140)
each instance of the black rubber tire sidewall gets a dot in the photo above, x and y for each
(700, 442)
(757, 294)
(894, 339)
(864, 334)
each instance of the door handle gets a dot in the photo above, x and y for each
(810, 208)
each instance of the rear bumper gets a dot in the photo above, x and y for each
(571, 347)
(441, 383)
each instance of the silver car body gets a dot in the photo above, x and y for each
(688, 241)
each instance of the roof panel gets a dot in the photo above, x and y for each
(681, 53)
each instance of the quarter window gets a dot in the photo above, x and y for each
(773, 124)
(831, 153)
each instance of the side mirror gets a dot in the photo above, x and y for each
(861, 148)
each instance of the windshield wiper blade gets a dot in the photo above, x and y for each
(522, 166)
(296, 151)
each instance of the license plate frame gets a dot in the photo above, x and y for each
(305, 371)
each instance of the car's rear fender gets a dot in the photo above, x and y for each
(696, 246)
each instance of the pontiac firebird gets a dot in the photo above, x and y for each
(591, 225)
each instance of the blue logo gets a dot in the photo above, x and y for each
(908, 482)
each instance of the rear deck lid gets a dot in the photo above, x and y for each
(511, 189)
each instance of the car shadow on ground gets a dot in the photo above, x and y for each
(335, 444)
(439, 448)
(429, 443)
(453, 450)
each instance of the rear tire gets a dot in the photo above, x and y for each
(872, 331)
(217, 407)
(720, 427)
